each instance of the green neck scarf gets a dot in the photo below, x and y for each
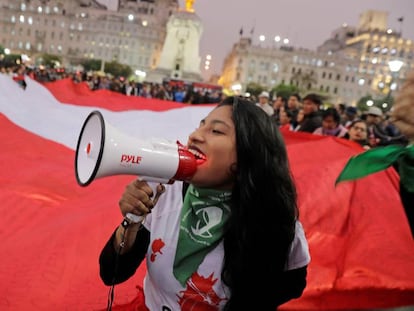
(378, 159)
(204, 213)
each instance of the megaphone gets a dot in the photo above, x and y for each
(102, 150)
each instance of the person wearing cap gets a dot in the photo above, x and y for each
(351, 114)
(264, 103)
(377, 133)
(312, 116)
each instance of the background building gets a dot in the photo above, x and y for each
(180, 56)
(79, 29)
(351, 64)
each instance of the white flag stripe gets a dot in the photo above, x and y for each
(36, 110)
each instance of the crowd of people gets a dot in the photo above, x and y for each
(370, 128)
(183, 93)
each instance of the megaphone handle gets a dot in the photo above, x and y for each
(137, 219)
(134, 218)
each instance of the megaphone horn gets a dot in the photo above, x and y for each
(102, 150)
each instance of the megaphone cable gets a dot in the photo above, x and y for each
(126, 222)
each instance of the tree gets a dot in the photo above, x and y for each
(362, 103)
(49, 60)
(91, 64)
(285, 90)
(254, 88)
(10, 60)
(117, 69)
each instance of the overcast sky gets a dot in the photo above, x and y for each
(307, 23)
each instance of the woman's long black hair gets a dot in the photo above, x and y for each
(264, 210)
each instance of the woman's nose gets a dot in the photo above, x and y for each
(196, 135)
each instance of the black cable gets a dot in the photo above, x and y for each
(125, 223)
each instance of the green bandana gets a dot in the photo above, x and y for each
(378, 159)
(204, 213)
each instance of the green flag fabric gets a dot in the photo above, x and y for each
(381, 158)
(203, 216)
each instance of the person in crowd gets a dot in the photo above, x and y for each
(179, 94)
(312, 116)
(389, 128)
(341, 110)
(106, 84)
(299, 120)
(285, 120)
(377, 133)
(131, 88)
(331, 124)
(279, 104)
(145, 91)
(160, 92)
(264, 103)
(351, 114)
(214, 242)
(358, 132)
(293, 105)
(19, 76)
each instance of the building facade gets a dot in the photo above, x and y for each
(79, 29)
(329, 74)
(353, 63)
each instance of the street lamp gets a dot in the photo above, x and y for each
(3, 54)
(395, 67)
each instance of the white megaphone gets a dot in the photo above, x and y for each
(102, 150)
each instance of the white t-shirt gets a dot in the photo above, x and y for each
(162, 290)
(267, 108)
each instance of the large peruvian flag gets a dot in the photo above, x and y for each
(52, 230)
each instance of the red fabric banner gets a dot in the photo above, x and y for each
(52, 230)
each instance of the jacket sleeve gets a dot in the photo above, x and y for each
(290, 285)
(407, 199)
(115, 268)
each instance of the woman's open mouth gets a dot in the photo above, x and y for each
(200, 157)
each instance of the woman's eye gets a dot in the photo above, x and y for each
(217, 131)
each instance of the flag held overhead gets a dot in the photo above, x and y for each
(378, 159)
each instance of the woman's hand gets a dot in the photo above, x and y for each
(136, 198)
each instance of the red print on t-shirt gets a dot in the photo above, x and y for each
(156, 247)
(199, 294)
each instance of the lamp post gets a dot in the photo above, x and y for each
(395, 67)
